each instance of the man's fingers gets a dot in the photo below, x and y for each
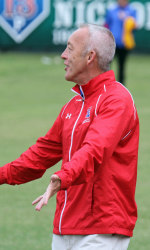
(47, 194)
(52, 188)
(37, 200)
(42, 200)
(39, 205)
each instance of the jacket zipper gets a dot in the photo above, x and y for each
(82, 95)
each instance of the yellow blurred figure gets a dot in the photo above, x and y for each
(128, 38)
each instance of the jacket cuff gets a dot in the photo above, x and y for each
(65, 180)
(3, 174)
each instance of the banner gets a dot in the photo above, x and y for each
(20, 18)
(47, 24)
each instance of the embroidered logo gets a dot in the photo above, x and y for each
(68, 116)
(88, 114)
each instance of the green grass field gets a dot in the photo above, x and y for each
(31, 96)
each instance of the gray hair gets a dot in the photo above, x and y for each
(102, 41)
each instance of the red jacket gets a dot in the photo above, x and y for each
(96, 135)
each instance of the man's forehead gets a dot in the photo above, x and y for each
(77, 35)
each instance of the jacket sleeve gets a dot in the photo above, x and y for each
(33, 163)
(110, 125)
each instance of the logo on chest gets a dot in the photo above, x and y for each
(68, 116)
(88, 115)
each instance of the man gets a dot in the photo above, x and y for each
(121, 20)
(96, 135)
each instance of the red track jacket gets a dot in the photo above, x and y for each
(96, 135)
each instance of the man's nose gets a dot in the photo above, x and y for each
(64, 54)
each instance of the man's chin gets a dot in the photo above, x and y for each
(68, 78)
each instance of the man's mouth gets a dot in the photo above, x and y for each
(66, 67)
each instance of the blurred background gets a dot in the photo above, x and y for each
(39, 25)
(33, 33)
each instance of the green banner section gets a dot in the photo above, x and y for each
(50, 31)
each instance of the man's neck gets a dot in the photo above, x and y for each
(89, 76)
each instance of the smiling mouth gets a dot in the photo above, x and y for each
(66, 67)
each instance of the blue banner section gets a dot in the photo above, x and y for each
(19, 14)
(20, 18)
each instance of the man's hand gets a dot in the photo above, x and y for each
(52, 189)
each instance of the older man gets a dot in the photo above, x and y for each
(96, 135)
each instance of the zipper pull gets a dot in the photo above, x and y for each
(82, 94)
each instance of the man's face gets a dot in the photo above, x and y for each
(123, 3)
(74, 58)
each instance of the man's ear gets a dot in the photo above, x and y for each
(91, 56)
